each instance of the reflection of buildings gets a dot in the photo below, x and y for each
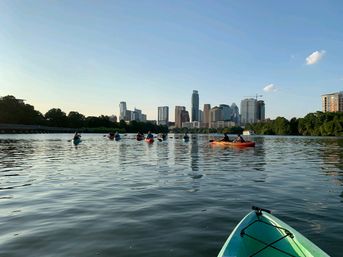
(195, 155)
(332, 102)
(333, 155)
(122, 156)
(163, 157)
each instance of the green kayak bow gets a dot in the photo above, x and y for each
(261, 234)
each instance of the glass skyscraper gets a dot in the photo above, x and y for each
(122, 108)
(195, 106)
(248, 111)
(163, 115)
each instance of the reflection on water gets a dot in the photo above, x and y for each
(170, 198)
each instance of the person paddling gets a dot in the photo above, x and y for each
(149, 135)
(226, 138)
(239, 139)
(140, 136)
(77, 136)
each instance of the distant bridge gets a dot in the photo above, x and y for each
(20, 128)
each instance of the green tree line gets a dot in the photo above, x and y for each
(14, 111)
(313, 124)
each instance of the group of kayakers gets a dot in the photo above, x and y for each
(161, 137)
(140, 136)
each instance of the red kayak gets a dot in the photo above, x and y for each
(149, 140)
(236, 144)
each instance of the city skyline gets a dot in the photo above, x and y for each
(87, 57)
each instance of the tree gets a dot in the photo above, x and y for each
(76, 120)
(281, 126)
(56, 118)
(16, 111)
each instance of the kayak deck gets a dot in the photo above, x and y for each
(262, 234)
(236, 144)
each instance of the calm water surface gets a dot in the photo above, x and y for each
(129, 198)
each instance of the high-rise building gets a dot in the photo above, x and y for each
(226, 112)
(128, 115)
(207, 108)
(136, 114)
(215, 115)
(235, 113)
(332, 102)
(122, 108)
(260, 111)
(201, 116)
(195, 106)
(178, 110)
(248, 111)
(184, 116)
(163, 115)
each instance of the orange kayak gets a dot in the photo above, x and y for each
(149, 140)
(236, 144)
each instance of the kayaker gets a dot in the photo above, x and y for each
(77, 136)
(186, 137)
(149, 135)
(111, 135)
(239, 139)
(116, 135)
(140, 136)
(226, 138)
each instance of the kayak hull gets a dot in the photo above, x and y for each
(76, 141)
(254, 233)
(234, 144)
(149, 140)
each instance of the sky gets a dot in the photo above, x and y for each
(87, 56)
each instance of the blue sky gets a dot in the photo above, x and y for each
(87, 56)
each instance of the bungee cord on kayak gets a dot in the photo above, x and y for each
(258, 212)
(261, 234)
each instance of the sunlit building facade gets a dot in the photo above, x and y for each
(332, 102)
(248, 111)
(178, 110)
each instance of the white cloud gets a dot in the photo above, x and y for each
(270, 88)
(315, 57)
